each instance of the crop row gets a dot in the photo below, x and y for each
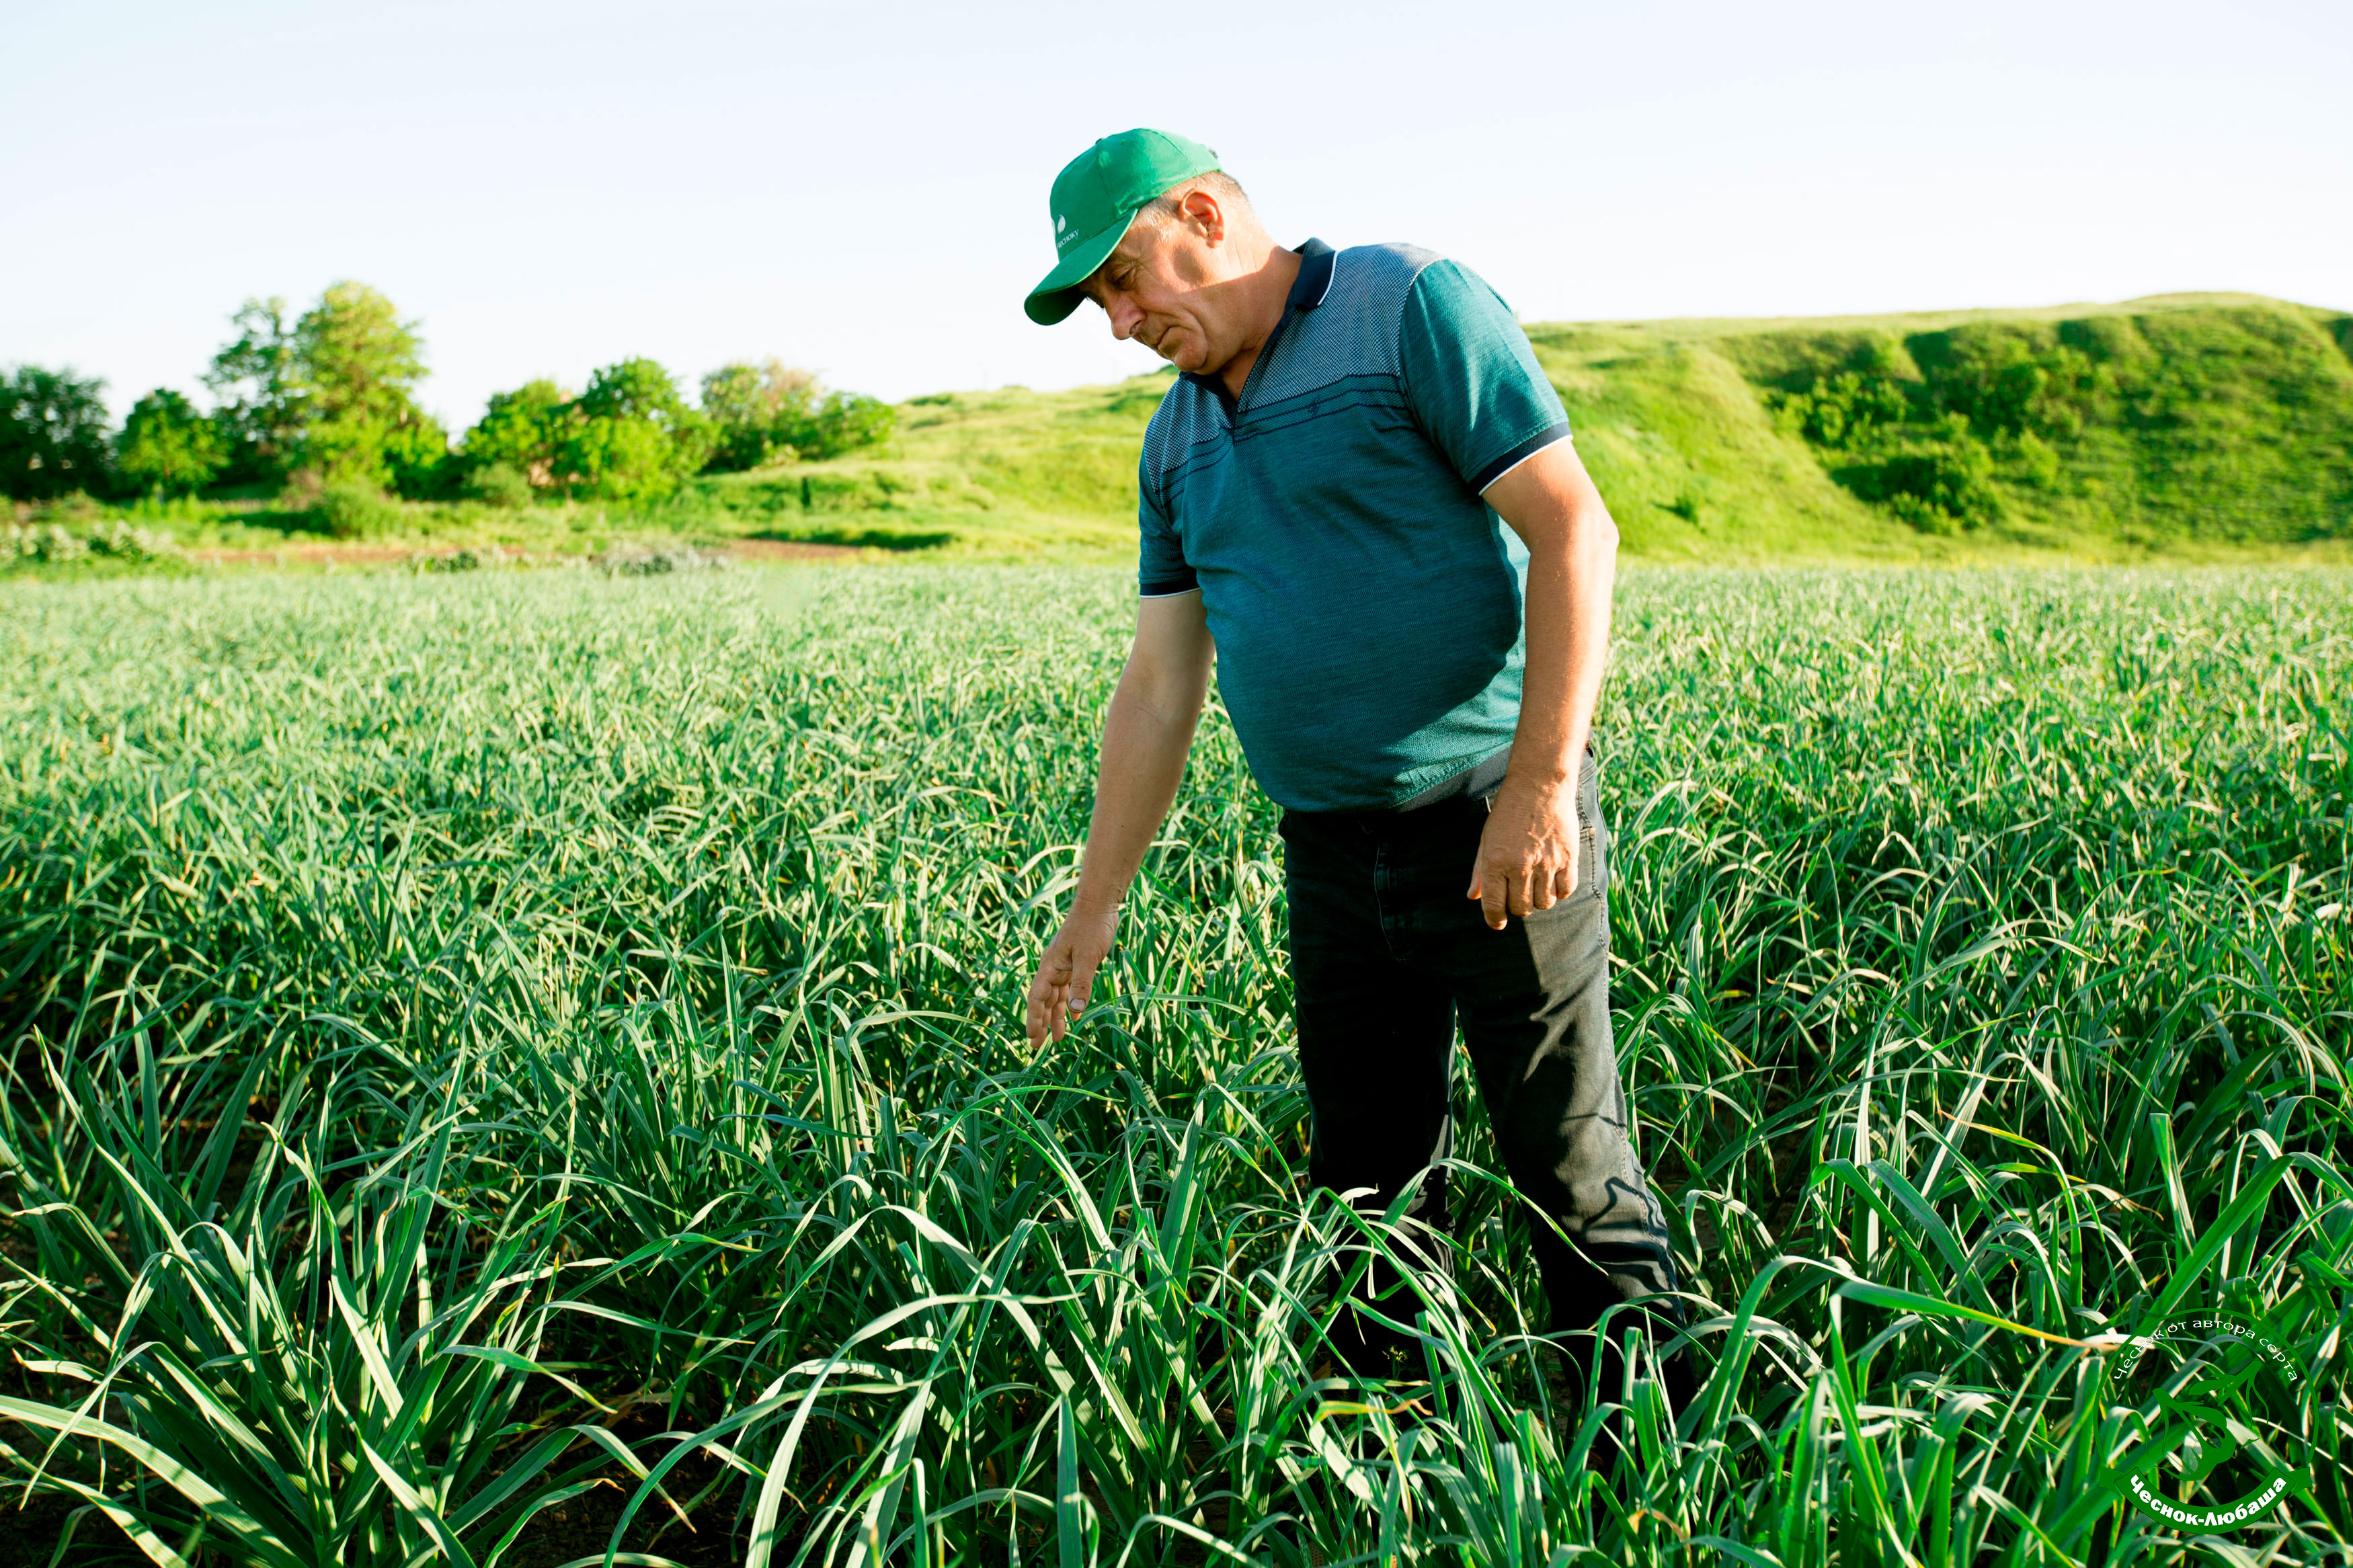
(488, 1051)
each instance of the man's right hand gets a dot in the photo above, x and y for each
(1066, 973)
(1145, 736)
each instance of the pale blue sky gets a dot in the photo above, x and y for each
(862, 189)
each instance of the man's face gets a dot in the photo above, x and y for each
(1160, 288)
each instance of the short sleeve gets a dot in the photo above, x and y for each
(1161, 568)
(1471, 377)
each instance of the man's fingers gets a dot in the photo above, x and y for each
(1058, 1012)
(1524, 888)
(1047, 982)
(1544, 886)
(1495, 895)
(1044, 1005)
(1045, 994)
(1082, 988)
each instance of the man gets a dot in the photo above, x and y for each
(1361, 497)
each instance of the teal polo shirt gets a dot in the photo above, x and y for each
(1365, 600)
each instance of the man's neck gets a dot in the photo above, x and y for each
(1269, 294)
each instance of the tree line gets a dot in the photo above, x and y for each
(327, 400)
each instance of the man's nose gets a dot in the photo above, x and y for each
(1123, 319)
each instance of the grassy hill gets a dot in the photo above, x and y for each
(1042, 476)
(2181, 425)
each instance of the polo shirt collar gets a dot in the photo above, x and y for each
(1307, 291)
(1314, 279)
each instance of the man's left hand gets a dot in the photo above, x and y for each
(1527, 852)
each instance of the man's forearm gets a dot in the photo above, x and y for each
(1571, 572)
(1528, 852)
(1143, 750)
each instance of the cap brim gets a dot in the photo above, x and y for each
(1059, 295)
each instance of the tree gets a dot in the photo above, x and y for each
(359, 365)
(258, 391)
(758, 409)
(333, 393)
(52, 434)
(773, 413)
(630, 437)
(167, 446)
(521, 430)
(844, 423)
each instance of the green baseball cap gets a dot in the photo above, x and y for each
(1095, 198)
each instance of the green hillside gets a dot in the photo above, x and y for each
(2182, 424)
(1042, 476)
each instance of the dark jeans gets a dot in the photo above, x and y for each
(1388, 955)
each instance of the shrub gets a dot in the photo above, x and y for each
(52, 545)
(499, 484)
(758, 410)
(1937, 489)
(154, 508)
(630, 437)
(46, 543)
(468, 560)
(741, 447)
(417, 452)
(846, 422)
(52, 434)
(1925, 455)
(124, 541)
(1845, 410)
(167, 447)
(772, 412)
(355, 510)
(637, 561)
(522, 429)
(2034, 460)
(2005, 385)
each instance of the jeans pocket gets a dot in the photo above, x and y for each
(1593, 832)
(1592, 861)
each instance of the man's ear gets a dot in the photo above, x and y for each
(1201, 210)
